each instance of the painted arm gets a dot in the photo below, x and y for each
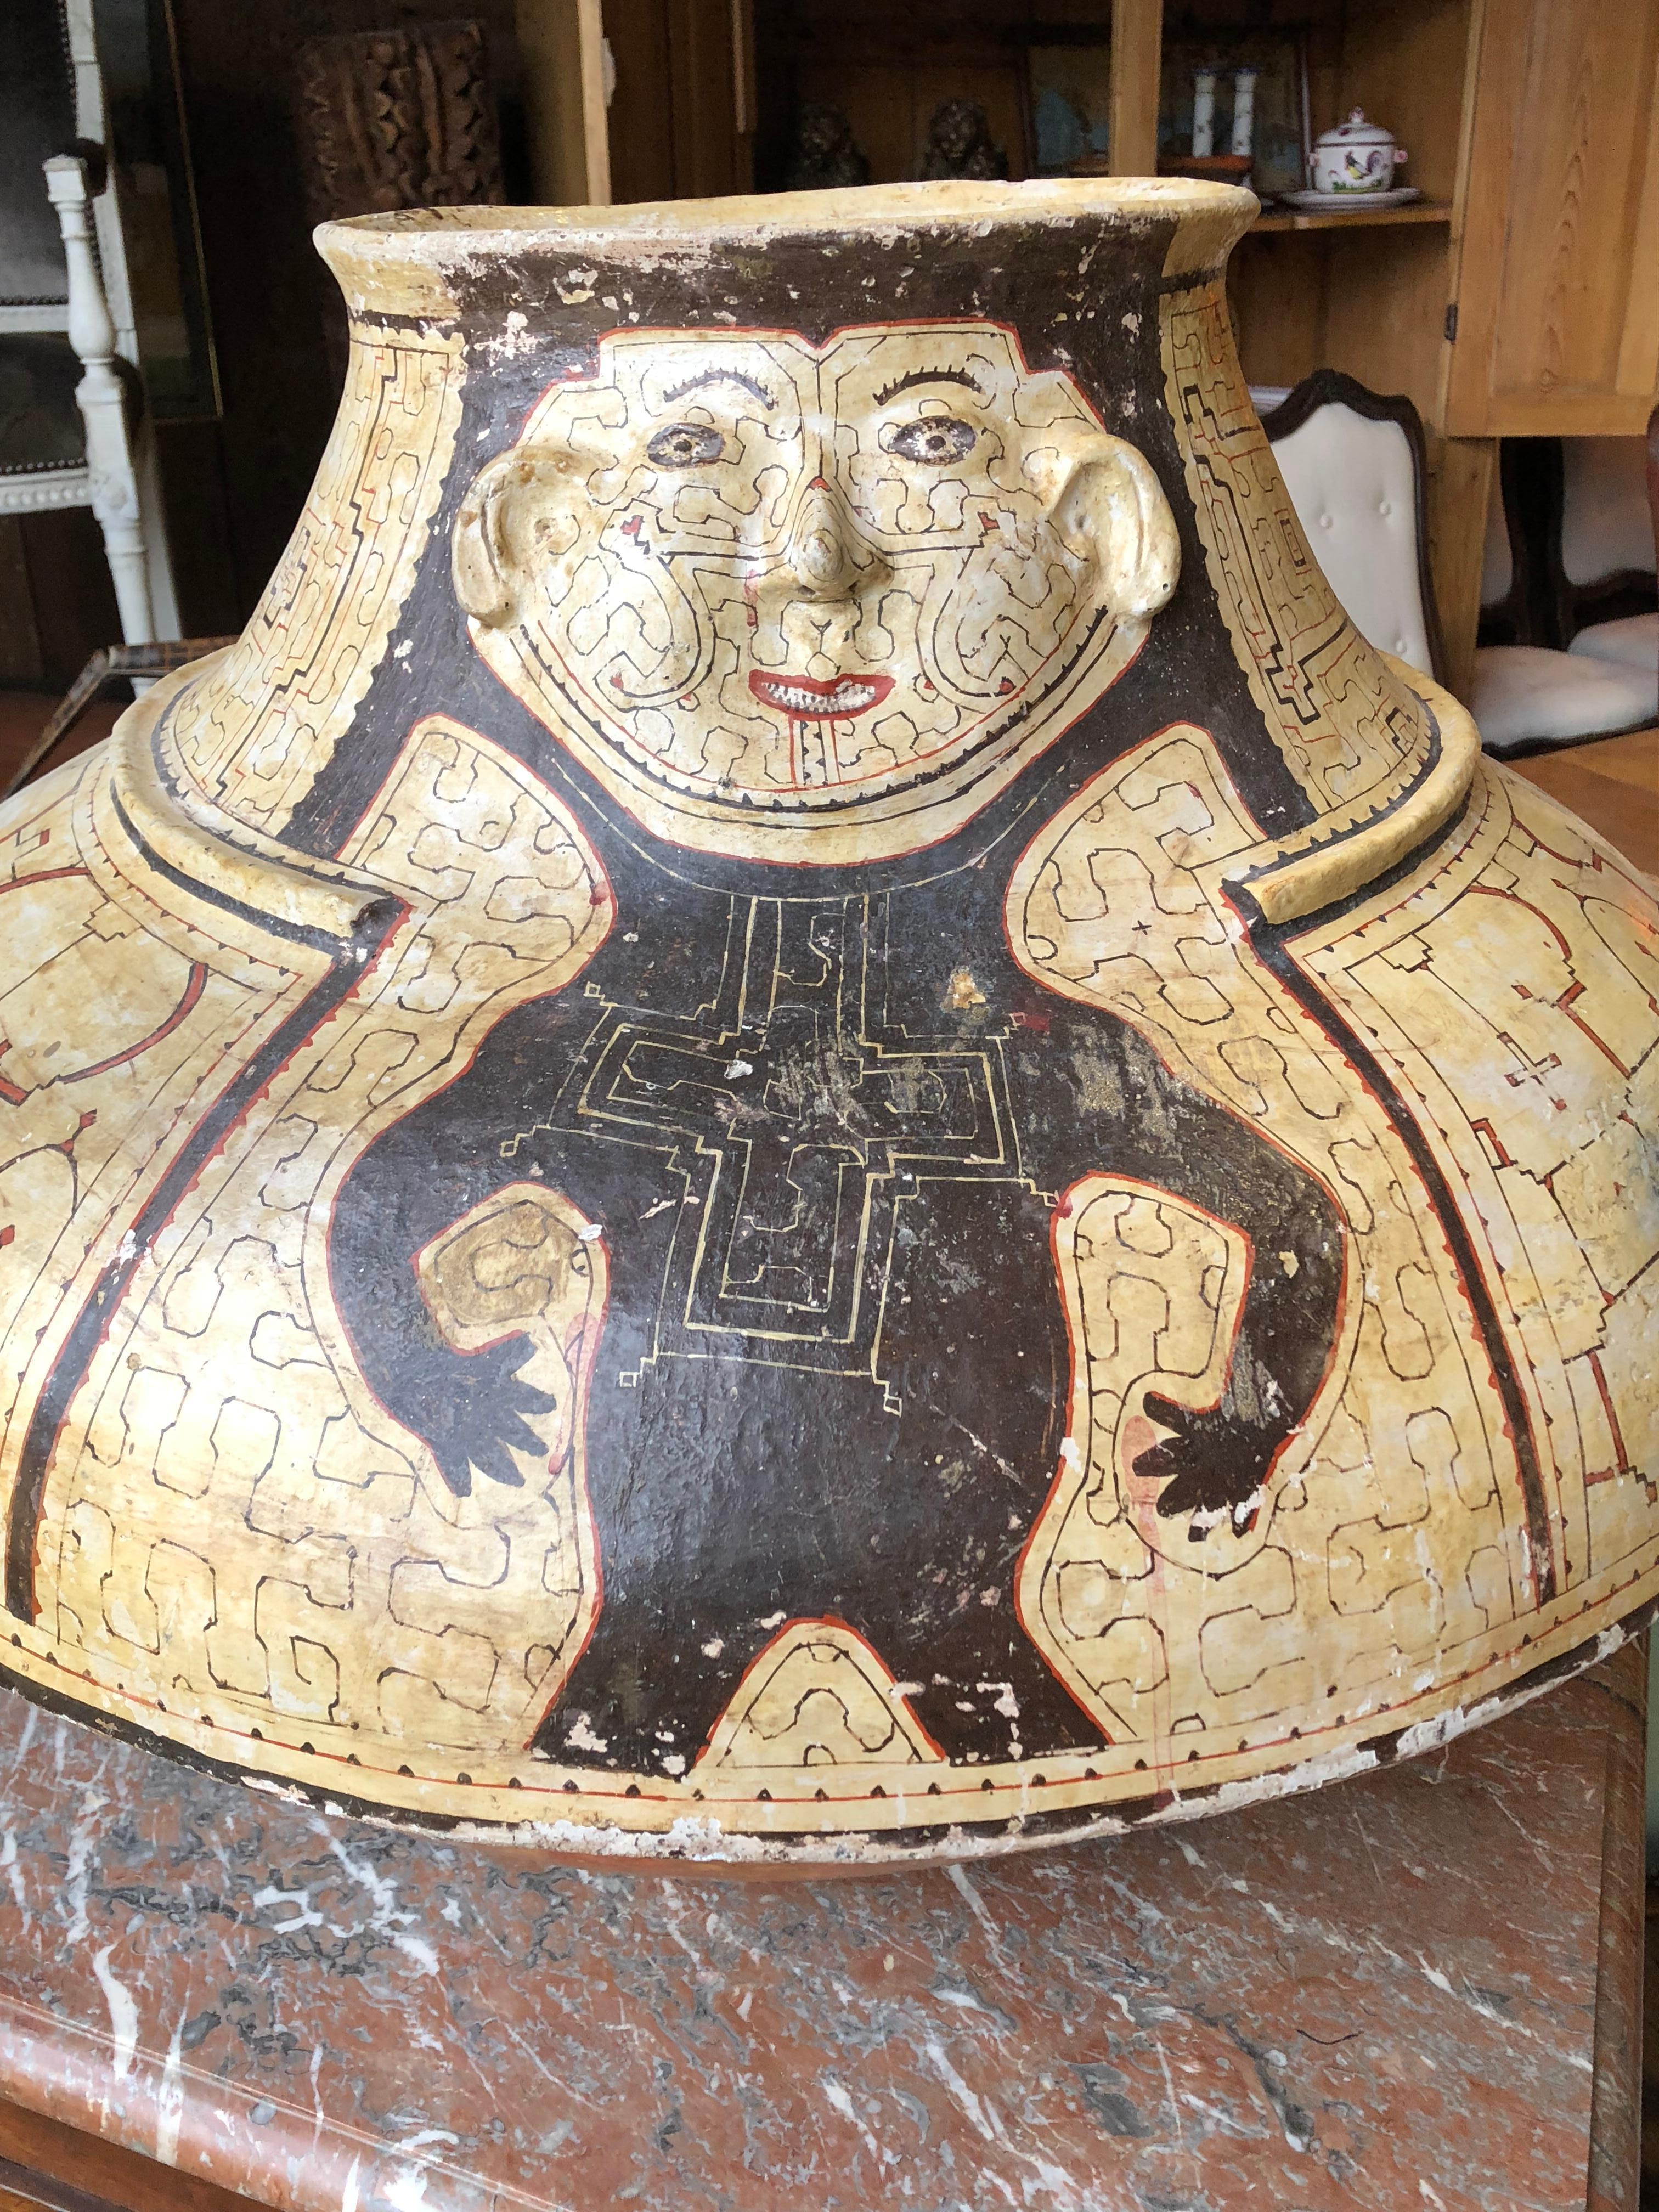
(1091, 1097)
(472, 1407)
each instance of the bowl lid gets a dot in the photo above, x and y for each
(1358, 130)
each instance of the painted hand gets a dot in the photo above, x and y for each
(1214, 1464)
(477, 1418)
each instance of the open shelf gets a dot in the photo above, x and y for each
(1277, 218)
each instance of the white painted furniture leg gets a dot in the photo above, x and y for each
(102, 403)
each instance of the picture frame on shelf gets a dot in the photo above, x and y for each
(1281, 137)
(1069, 83)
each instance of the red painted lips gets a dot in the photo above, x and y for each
(813, 699)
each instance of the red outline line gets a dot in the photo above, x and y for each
(49, 876)
(689, 1797)
(194, 984)
(703, 333)
(1623, 1460)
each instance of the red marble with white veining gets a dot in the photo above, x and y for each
(1379, 1995)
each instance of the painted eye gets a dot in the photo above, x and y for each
(936, 439)
(685, 446)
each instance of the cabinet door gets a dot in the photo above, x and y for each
(561, 50)
(683, 119)
(679, 119)
(712, 45)
(1556, 251)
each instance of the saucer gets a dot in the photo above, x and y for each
(1397, 197)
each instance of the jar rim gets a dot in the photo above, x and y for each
(411, 252)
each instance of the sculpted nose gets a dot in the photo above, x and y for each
(820, 554)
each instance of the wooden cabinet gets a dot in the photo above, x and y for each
(561, 53)
(1519, 295)
(1555, 248)
(689, 63)
(638, 100)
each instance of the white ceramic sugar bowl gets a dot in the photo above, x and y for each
(1358, 156)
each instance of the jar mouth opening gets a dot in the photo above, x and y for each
(405, 258)
(441, 240)
(950, 204)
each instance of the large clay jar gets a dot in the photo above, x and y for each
(801, 1118)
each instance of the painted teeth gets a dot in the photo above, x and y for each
(846, 697)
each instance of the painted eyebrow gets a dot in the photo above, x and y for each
(722, 376)
(916, 376)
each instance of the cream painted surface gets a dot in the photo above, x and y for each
(267, 716)
(812, 603)
(241, 1551)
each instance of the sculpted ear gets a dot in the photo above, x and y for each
(488, 551)
(1110, 509)
(479, 551)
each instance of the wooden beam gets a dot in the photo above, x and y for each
(1462, 472)
(1137, 54)
(562, 48)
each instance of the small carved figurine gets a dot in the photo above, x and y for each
(825, 156)
(960, 144)
(398, 118)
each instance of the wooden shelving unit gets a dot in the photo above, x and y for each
(1518, 297)
(1273, 219)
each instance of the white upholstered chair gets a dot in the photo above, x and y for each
(1528, 696)
(1353, 462)
(1607, 542)
(66, 321)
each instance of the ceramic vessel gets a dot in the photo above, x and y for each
(1357, 156)
(801, 1117)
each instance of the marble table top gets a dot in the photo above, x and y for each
(1412, 1990)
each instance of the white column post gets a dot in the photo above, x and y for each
(1203, 113)
(102, 403)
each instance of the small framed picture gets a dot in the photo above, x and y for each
(1279, 130)
(1069, 70)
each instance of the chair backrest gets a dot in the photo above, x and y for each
(1354, 465)
(1497, 555)
(43, 448)
(54, 106)
(1576, 514)
(1606, 530)
(41, 118)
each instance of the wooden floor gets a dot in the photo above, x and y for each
(24, 714)
(1614, 784)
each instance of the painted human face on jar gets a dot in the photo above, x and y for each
(812, 603)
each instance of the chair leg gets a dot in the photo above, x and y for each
(128, 565)
(102, 402)
(107, 667)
